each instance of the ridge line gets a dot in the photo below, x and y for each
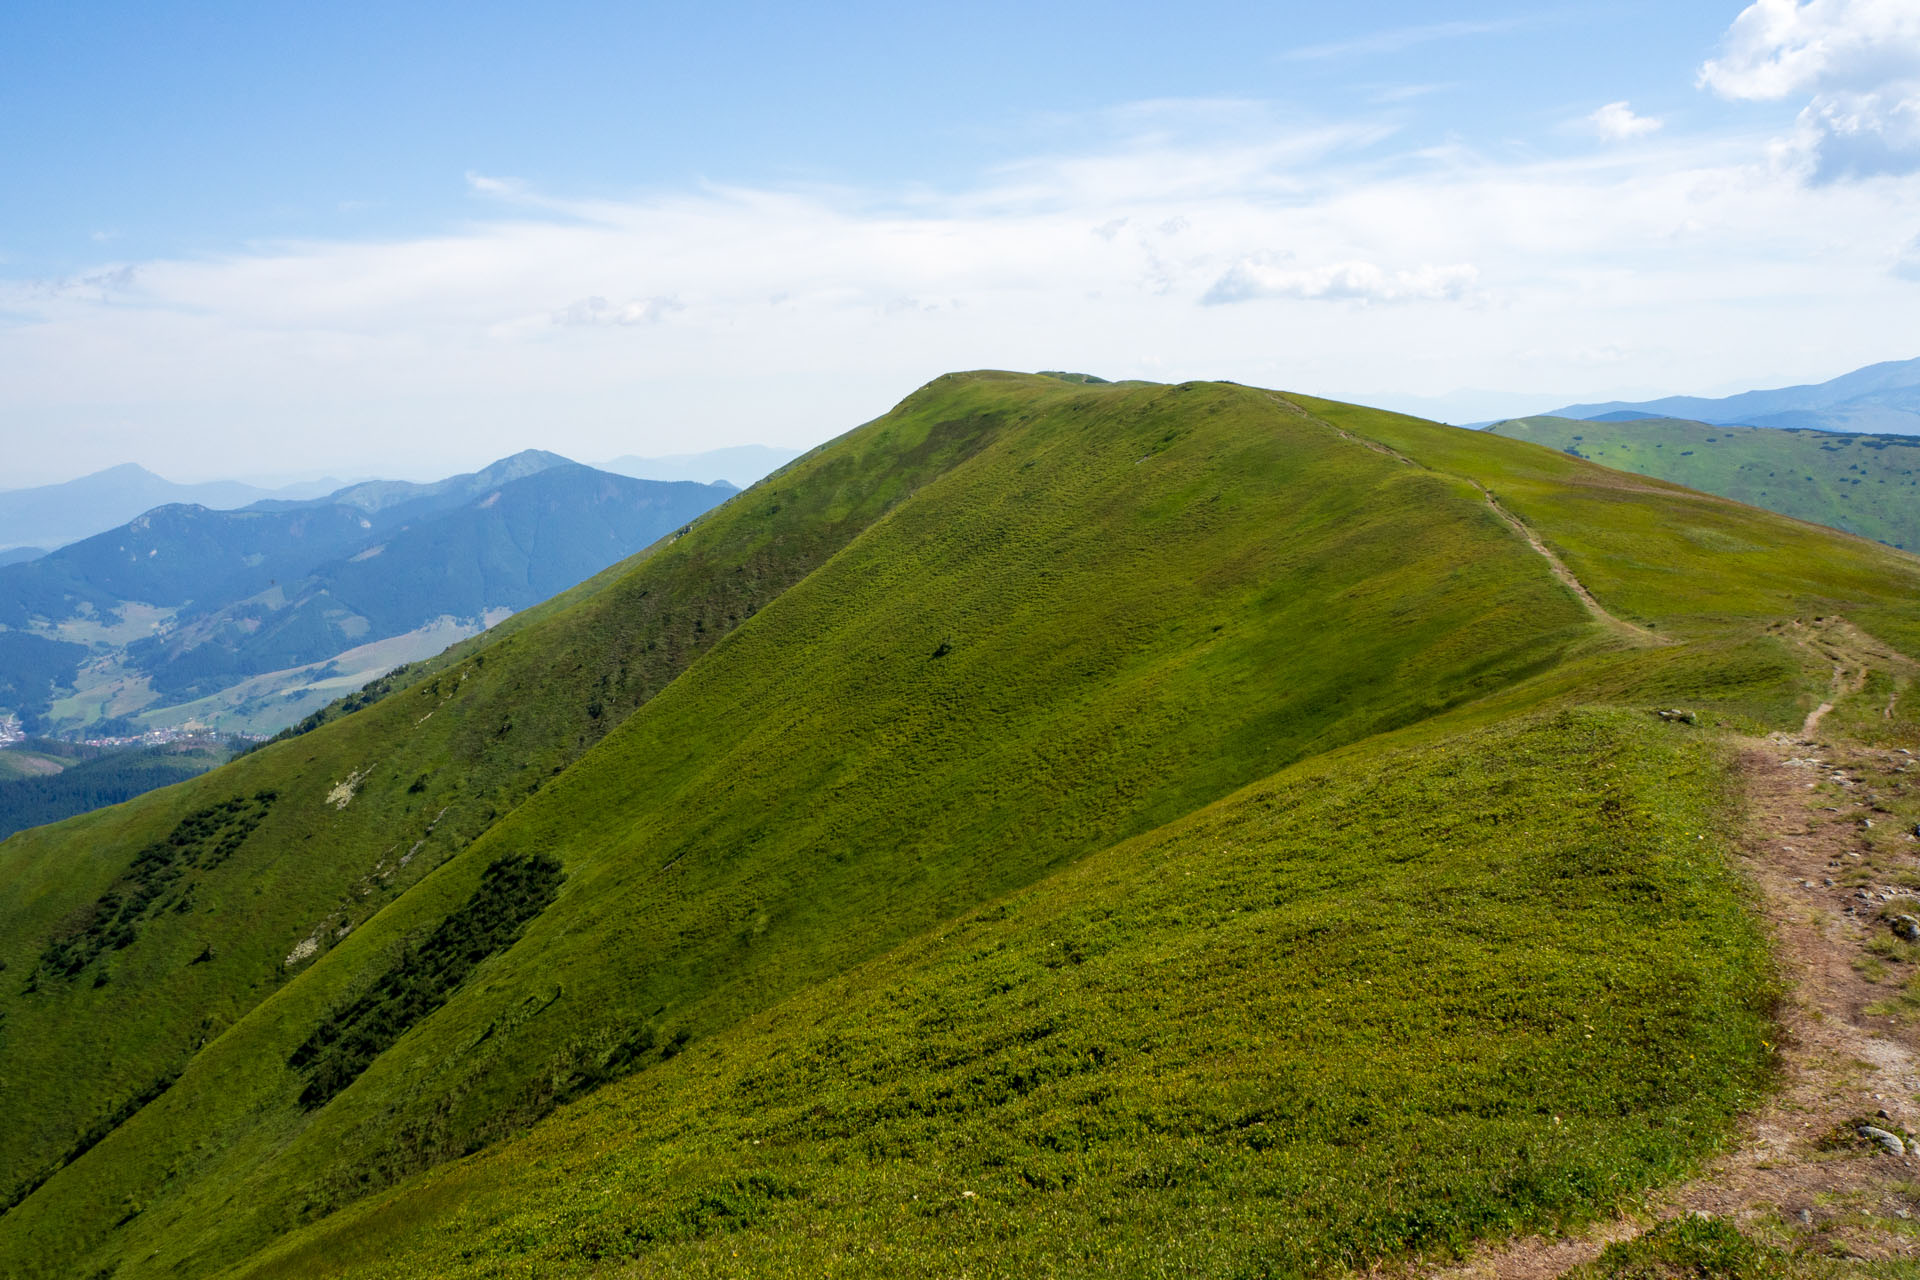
(1632, 631)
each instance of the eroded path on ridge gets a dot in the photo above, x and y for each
(1630, 631)
(1830, 848)
(1852, 654)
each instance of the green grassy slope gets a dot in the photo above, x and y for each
(1087, 612)
(1864, 484)
(1390, 999)
(1131, 603)
(436, 766)
(1686, 563)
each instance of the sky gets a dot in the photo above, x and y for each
(269, 241)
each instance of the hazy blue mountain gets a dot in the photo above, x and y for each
(740, 466)
(56, 514)
(512, 547)
(30, 665)
(175, 556)
(1881, 399)
(20, 555)
(405, 500)
(184, 603)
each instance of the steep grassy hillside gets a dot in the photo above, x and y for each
(1869, 485)
(1320, 1022)
(1080, 765)
(428, 772)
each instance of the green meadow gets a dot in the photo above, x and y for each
(1864, 484)
(1056, 828)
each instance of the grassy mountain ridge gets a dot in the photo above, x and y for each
(446, 735)
(1098, 1073)
(1074, 772)
(970, 649)
(1865, 484)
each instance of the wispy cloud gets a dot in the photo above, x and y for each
(1362, 282)
(1396, 39)
(1407, 92)
(712, 315)
(1907, 265)
(1616, 122)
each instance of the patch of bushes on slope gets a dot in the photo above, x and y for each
(1381, 1004)
(91, 1137)
(202, 841)
(512, 891)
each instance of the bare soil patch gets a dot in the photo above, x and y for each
(1830, 884)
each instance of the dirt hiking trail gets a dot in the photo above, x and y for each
(1830, 848)
(1631, 632)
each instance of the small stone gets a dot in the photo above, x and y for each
(1806, 1217)
(1888, 1141)
(1906, 927)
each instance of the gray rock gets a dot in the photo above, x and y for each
(1906, 927)
(1890, 1142)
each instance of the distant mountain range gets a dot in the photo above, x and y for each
(740, 466)
(251, 618)
(34, 521)
(56, 514)
(1864, 484)
(1882, 399)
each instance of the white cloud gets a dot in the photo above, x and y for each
(598, 311)
(1253, 278)
(1395, 39)
(717, 316)
(1616, 122)
(481, 184)
(1907, 265)
(1858, 63)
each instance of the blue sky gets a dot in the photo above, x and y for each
(269, 239)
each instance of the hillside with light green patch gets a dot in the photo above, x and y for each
(1058, 827)
(1864, 484)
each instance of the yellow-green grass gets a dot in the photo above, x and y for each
(1389, 1000)
(1145, 597)
(465, 746)
(1865, 484)
(1683, 562)
(1010, 627)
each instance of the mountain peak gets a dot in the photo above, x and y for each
(524, 463)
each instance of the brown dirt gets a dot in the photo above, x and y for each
(1627, 630)
(1799, 1172)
